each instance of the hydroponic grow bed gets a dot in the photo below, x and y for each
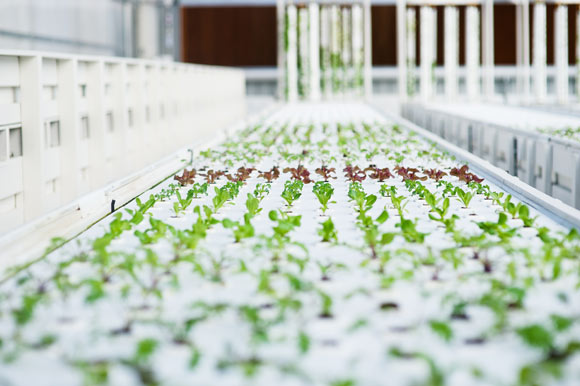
(329, 247)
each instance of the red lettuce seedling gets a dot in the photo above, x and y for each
(211, 176)
(326, 173)
(241, 175)
(270, 175)
(379, 174)
(409, 173)
(300, 173)
(354, 174)
(186, 178)
(463, 175)
(434, 174)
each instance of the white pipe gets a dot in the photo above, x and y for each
(428, 33)
(291, 55)
(303, 53)
(519, 48)
(358, 47)
(526, 49)
(314, 52)
(451, 51)
(368, 76)
(281, 16)
(540, 51)
(472, 57)
(411, 52)
(561, 52)
(326, 72)
(488, 49)
(401, 48)
(346, 53)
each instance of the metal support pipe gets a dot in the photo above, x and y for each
(402, 49)
(561, 52)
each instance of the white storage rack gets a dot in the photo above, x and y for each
(550, 164)
(70, 125)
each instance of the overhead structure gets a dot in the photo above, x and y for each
(324, 50)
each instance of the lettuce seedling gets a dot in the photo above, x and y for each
(464, 197)
(182, 203)
(186, 178)
(292, 191)
(253, 205)
(286, 223)
(326, 173)
(323, 191)
(328, 231)
(241, 230)
(199, 189)
(261, 191)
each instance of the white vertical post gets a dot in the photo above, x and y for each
(540, 51)
(335, 49)
(451, 51)
(291, 55)
(358, 47)
(411, 46)
(402, 48)
(472, 57)
(526, 48)
(303, 53)
(69, 117)
(488, 49)
(427, 50)
(314, 52)
(33, 141)
(281, 16)
(368, 76)
(325, 60)
(346, 50)
(561, 52)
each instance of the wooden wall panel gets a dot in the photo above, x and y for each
(229, 36)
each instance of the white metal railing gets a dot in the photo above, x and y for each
(324, 49)
(72, 124)
(532, 79)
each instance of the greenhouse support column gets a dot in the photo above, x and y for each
(472, 58)
(561, 52)
(411, 43)
(402, 49)
(314, 86)
(357, 48)
(451, 51)
(281, 16)
(368, 76)
(526, 48)
(488, 55)
(428, 34)
(291, 55)
(540, 51)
